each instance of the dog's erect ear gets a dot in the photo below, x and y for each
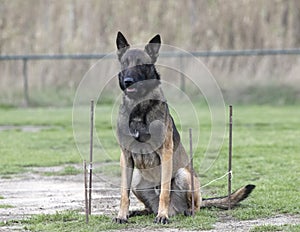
(152, 48)
(122, 45)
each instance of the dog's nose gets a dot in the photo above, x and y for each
(128, 81)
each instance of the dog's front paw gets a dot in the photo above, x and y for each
(161, 219)
(120, 220)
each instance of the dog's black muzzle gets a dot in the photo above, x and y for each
(128, 81)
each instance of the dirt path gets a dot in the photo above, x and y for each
(32, 193)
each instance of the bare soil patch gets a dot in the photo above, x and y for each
(25, 128)
(33, 193)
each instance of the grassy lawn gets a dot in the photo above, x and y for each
(265, 228)
(266, 153)
(48, 147)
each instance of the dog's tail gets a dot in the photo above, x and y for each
(223, 202)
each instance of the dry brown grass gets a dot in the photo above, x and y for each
(32, 27)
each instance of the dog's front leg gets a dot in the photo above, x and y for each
(166, 176)
(126, 163)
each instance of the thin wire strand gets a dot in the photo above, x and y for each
(172, 190)
(226, 174)
(109, 189)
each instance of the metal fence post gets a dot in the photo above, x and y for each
(25, 83)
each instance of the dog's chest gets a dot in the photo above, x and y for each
(146, 161)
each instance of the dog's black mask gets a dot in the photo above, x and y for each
(138, 75)
(139, 80)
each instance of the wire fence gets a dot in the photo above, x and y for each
(225, 53)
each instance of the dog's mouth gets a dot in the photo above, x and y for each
(131, 90)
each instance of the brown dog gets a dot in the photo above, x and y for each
(153, 161)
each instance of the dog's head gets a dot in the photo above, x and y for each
(138, 75)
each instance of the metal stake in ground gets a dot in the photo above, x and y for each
(192, 172)
(91, 156)
(230, 157)
(85, 193)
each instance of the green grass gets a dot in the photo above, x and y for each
(6, 206)
(265, 153)
(73, 221)
(266, 228)
(69, 170)
(271, 93)
(49, 147)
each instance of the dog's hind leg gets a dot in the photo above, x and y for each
(181, 196)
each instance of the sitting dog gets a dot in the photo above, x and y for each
(153, 160)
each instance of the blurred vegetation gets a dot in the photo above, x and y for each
(73, 26)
